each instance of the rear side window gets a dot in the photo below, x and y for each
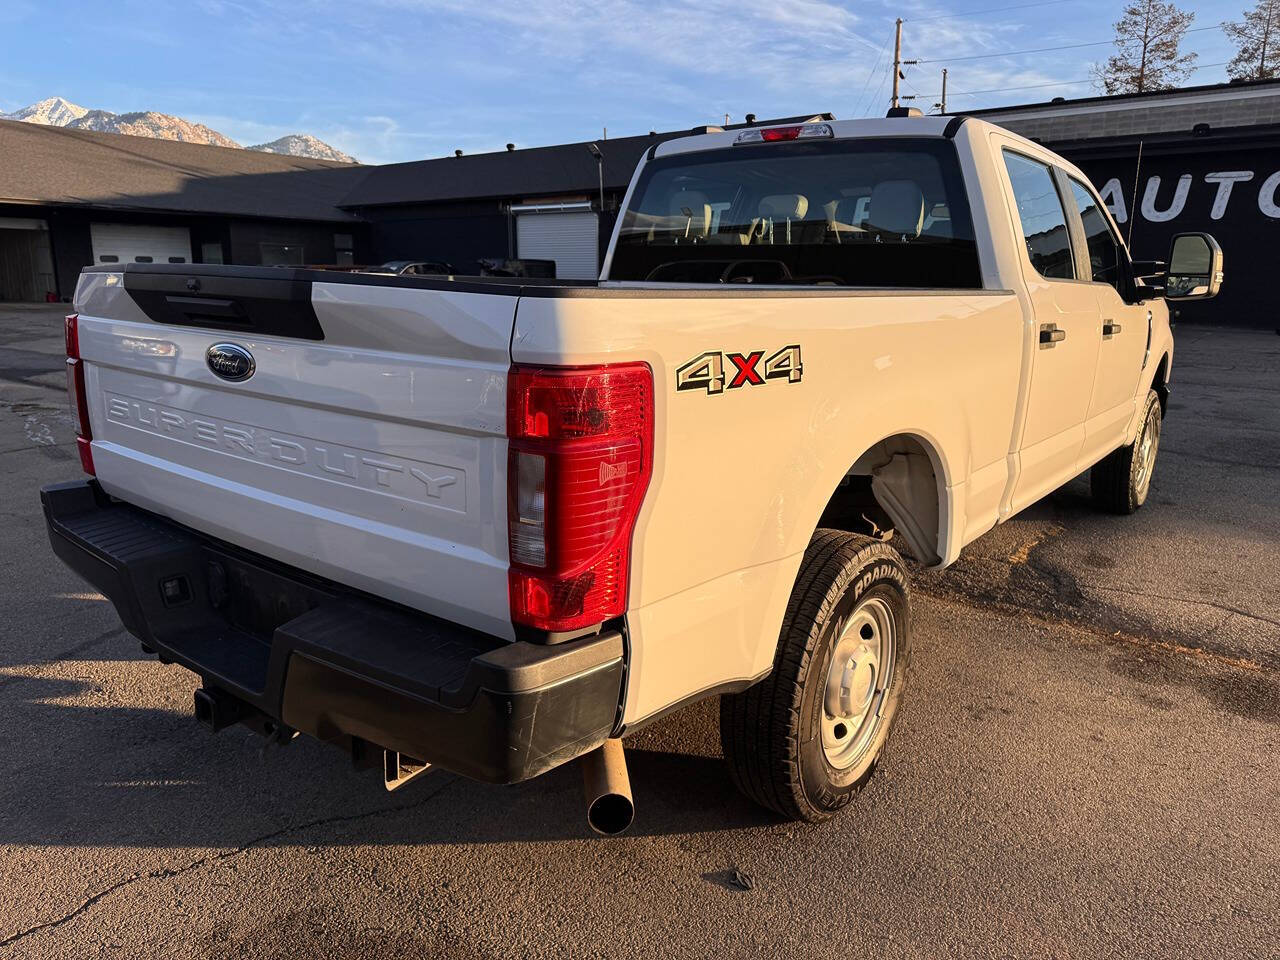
(1104, 249)
(1044, 221)
(858, 213)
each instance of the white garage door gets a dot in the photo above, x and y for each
(570, 238)
(131, 243)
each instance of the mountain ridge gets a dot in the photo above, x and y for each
(60, 112)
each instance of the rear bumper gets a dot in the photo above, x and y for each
(340, 666)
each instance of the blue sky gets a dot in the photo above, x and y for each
(389, 80)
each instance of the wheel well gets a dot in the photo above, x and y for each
(892, 489)
(1160, 384)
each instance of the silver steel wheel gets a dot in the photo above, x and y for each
(1148, 445)
(859, 675)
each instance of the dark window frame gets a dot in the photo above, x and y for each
(956, 188)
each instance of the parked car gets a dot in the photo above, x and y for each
(526, 267)
(496, 526)
(413, 268)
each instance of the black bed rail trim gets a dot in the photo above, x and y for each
(231, 277)
(239, 300)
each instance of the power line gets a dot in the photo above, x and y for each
(866, 100)
(872, 94)
(978, 13)
(1053, 83)
(1067, 46)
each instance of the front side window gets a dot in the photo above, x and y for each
(858, 213)
(1044, 221)
(1104, 249)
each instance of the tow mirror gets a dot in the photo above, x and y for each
(1195, 267)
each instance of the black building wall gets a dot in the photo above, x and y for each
(317, 240)
(457, 233)
(461, 233)
(240, 239)
(1226, 184)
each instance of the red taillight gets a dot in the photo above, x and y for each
(77, 396)
(71, 331)
(799, 131)
(773, 134)
(581, 453)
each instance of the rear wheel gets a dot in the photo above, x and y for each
(807, 738)
(1121, 481)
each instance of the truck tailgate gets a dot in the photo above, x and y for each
(368, 446)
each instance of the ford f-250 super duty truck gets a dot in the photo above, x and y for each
(495, 526)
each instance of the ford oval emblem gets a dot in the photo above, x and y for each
(230, 361)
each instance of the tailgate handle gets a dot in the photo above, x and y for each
(1110, 328)
(208, 307)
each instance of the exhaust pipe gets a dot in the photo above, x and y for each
(607, 788)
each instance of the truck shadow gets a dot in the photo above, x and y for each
(86, 776)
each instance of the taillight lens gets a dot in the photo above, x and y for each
(581, 454)
(77, 396)
(801, 131)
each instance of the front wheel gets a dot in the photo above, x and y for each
(1120, 482)
(806, 739)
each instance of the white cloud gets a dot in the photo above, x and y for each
(778, 42)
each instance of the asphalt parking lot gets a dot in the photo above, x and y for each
(1088, 764)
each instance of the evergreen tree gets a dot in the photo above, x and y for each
(1147, 57)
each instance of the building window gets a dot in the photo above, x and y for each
(211, 252)
(281, 255)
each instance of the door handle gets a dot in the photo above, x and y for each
(1050, 335)
(1110, 328)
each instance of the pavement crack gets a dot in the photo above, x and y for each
(1195, 601)
(1204, 458)
(13, 680)
(36, 446)
(165, 873)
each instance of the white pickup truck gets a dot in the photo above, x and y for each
(497, 525)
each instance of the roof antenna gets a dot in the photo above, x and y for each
(1133, 211)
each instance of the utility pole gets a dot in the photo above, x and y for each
(942, 107)
(898, 64)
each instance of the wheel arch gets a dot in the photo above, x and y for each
(905, 475)
(1160, 382)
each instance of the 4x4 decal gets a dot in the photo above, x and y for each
(706, 371)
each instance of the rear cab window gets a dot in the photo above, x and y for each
(1042, 216)
(884, 212)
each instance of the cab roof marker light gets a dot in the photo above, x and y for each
(803, 131)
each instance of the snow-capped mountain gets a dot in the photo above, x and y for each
(54, 112)
(304, 145)
(162, 126)
(57, 112)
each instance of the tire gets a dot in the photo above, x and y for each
(782, 742)
(1120, 482)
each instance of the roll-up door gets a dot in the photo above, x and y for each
(138, 243)
(570, 237)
